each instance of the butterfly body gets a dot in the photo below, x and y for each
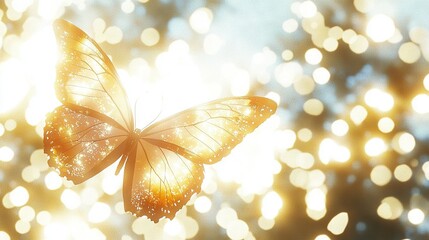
(164, 162)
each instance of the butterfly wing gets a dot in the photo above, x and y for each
(165, 168)
(158, 182)
(79, 145)
(86, 78)
(207, 133)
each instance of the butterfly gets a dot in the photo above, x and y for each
(164, 162)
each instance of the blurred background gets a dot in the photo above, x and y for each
(345, 156)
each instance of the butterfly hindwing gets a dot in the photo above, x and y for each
(158, 182)
(207, 133)
(87, 78)
(80, 146)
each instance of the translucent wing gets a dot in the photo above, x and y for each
(158, 182)
(87, 78)
(80, 146)
(207, 133)
(165, 167)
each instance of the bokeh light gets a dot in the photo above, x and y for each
(380, 28)
(344, 157)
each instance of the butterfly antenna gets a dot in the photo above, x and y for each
(135, 110)
(157, 116)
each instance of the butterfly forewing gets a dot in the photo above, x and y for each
(207, 133)
(158, 182)
(87, 78)
(80, 146)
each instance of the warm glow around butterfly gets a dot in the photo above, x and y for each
(163, 163)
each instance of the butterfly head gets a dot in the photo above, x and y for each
(135, 135)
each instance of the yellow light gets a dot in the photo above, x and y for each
(403, 173)
(339, 127)
(6, 154)
(329, 150)
(425, 169)
(390, 208)
(287, 55)
(379, 100)
(330, 44)
(375, 147)
(70, 199)
(313, 56)
(10, 125)
(358, 114)
(150, 37)
(426, 82)
(53, 181)
(363, 6)
(2, 130)
(338, 224)
(225, 216)
(266, 223)
(381, 175)
(396, 38)
(201, 19)
(203, 204)
(316, 199)
(305, 134)
(174, 228)
(27, 213)
(304, 85)
(287, 73)
(403, 142)
(409, 52)
(274, 96)
(380, 28)
(348, 35)
(22, 226)
(12, 92)
(55, 231)
(43, 218)
(316, 179)
(315, 215)
(127, 6)
(113, 35)
(99, 212)
(285, 139)
(271, 205)
(336, 32)
(307, 9)
(21, 5)
(305, 161)
(386, 125)
(4, 235)
(416, 216)
(39, 160)
(237, 229)
(359, 44)
(142, 225)
(420, 103)
(313, 107)
(19, 196)
(299, 178)
(290, 25)
(322, 237)
(111, 183)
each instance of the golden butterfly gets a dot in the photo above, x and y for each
(94, 127)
